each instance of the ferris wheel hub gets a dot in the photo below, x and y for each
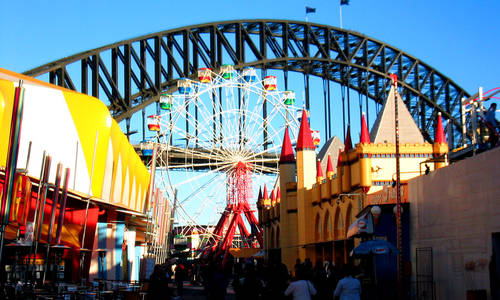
(242, 166)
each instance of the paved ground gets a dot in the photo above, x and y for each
(197, 293)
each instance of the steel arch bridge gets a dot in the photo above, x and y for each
(130, 75)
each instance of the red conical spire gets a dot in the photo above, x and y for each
(339, 159)
(286, 149)
(440, 137)
(365, 135)
(329, 168)
(348, 143)
(394, 79)
(273, 198)
(319, 171)
(265, 197)
(305, 141)
(278, 195)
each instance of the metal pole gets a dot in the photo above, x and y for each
(171, 225)
(150, 195)
(37, 201)
(55, 198)
(28, 157)
(11, 161)
(398, 197)
(25, 210)
(62, 209)
(340, 16)
(464, 123)
(39, 223)
(82, 260)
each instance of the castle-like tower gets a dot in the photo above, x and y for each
(306, 178)
(315, 212)
(288, 208)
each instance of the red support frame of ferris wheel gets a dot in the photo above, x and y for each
(238, 192)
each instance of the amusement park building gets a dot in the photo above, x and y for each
(78, 132)
(315, 217)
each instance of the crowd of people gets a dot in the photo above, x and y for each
(256, 279)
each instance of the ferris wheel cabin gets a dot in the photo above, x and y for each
(227, 71)
(184, 86)
(289, 97)
(153, 123)
(270, 83)
(166, 101)
(205, 75)
(249, 74)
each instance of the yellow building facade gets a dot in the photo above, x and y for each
(313, 213)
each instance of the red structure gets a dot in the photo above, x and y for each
(239, 190)
(439, 137)
(365, 135)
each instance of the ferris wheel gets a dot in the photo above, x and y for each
(220, 138)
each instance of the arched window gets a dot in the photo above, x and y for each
(317, 236)
(327, 226)
(339, 225)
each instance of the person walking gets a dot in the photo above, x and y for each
(492, 125)
(180, 276)
(158, 285)
(251, 285)
(348, 288)
(301, 289)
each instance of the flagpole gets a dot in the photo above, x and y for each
(340, 15)
(305, 4)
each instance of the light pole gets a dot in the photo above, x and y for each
(398, 189)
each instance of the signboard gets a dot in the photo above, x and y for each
(28, 235)
(364, 224)
(387, 196)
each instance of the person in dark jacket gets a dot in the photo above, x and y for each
(180, 276)
(158, 285)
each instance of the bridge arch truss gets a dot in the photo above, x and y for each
(130, 75)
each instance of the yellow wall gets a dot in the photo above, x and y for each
(6, 99)
(56, 120)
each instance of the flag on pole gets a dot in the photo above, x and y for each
(344, 2)
(311, 10)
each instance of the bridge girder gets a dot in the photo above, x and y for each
(130, 75)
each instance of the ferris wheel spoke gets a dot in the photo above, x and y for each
(257, 139)
(271, 133)
(202, 204)
(196, 125)
(200, 165)
(201, 188)
(193, 154)
(264, 160)
(232, 113)
(200, 176)
(186, 216)
(262, 153)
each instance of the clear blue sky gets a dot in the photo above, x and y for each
(457, 37)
